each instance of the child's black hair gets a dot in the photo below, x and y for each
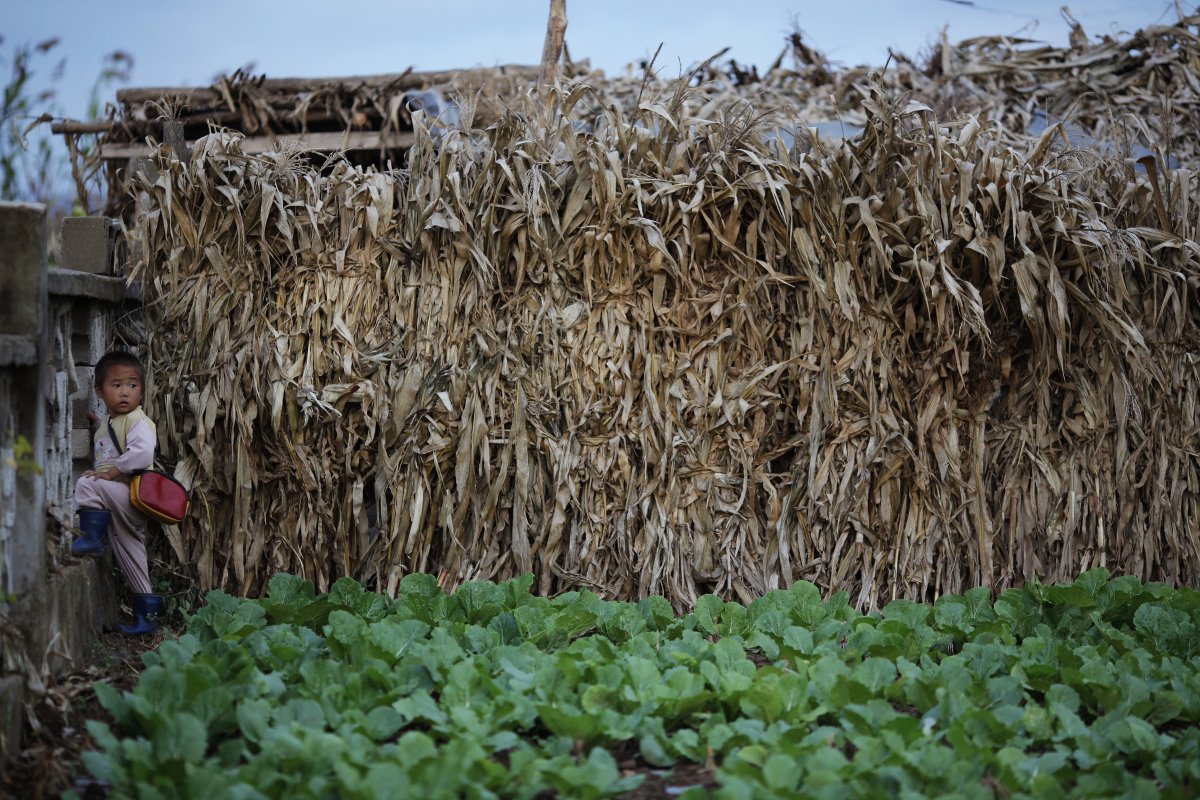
(117, 358)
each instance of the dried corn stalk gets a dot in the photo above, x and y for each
(672, 355)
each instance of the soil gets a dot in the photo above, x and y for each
(672, 782)
(56, 734)
(662, 783)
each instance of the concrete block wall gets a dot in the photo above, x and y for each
(83, 308)
(89, 244)
(22, 421)
(22, 412)
(55, 325)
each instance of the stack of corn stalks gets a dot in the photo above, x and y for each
(669, 353)
(1140, 87)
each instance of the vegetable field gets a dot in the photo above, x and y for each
(1089, 689)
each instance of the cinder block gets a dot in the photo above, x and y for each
(100, 337)
(91, 334)
(62, 404)
(90, 320)
(81, 317)
(81, 347)
(88, 244)
(84, 381)
(80, 405)
(78, 467)
(81, 445)
(23, 268)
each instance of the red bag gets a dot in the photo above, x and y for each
(155, 494)
(158, 495)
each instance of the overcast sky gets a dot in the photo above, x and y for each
(187, 44)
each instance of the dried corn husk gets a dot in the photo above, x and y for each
(672, 354)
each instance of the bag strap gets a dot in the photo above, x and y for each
(112, 434)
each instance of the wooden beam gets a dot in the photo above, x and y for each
(323, 141)
(397, 80)
(218, 117)
(75, 126)
(556, 29)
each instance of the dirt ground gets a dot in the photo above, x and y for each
(56, 734)
(662, 783)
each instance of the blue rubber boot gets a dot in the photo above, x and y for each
(94, 524)
(146, 610)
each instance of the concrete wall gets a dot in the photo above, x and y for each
(83, 309)
(22, 412)
(54, 325)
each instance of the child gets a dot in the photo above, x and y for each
(102, 494)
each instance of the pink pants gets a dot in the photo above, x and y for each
(126, 528)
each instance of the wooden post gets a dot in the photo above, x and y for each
(173, 135)
(556, 29)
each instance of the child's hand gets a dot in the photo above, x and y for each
(110, 474)
(92, 418)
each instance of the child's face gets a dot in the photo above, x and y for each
(122, 389)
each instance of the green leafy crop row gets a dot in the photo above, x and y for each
(1085, 690)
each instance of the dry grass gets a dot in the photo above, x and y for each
(671, 355)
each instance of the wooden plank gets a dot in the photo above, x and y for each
(322, 141)
(231, 118)
(396, 80)
(75, 126)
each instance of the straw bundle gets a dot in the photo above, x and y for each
(671, 355)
